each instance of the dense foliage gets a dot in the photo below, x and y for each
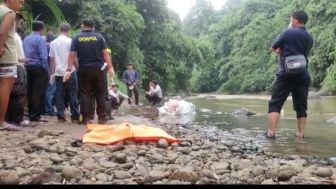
(225, 51)
(243, 35)
(143, 32)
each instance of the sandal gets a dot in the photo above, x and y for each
(268, 136)
(10, 128)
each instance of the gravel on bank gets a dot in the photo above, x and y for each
(45, 156)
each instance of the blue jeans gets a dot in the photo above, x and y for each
(68, 90)
(50, 99)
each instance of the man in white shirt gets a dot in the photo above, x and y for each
(154, 95)
(59, 53)
(116, 98)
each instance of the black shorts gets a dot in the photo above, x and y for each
(298, 86)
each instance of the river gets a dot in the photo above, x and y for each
(320, 137)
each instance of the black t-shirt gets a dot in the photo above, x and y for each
(89, 46)
(293, 41)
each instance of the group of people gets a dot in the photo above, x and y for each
(46, 71)
(80, 66)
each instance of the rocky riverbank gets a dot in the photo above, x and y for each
(44, 155)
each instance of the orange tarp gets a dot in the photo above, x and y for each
(110, 134)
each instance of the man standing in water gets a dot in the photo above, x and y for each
(8, 57)
(293, 46)
(91, 51)
(131, 78)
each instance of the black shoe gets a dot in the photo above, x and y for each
(62, 120)
(41, 120)
(74, 120)
(85, 122)
(51, 114)
(102, 121)
(111, 118)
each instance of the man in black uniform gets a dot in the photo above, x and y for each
(91, 51)
(293, 46)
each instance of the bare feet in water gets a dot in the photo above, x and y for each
(299, 135)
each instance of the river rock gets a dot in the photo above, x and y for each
(243, 164)
(236, 149)
(185, 150)
(257, 171)
(285, 175)
(208, 174)
(10, 164)
(268, 182)
(332, 160)
(71, 173)
(10, 179)
(102, 177)
(185, 175)
(155, 176)
(126, 166)
(39, 144)
(56, 158)
(242, 112)
(315, 95)
(122, 174)
(324, 172)
(89, 164)
(163, 143)
(141, 152)
(43, 133)
(21, 172)
(121, 158)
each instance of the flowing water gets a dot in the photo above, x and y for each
(320, 139)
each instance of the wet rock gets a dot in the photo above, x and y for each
(324, 172)
(242, 112)
(102, 177)
(89, 164)
(71, 173)
(285, 175)
(163, 143)
(120, 158)
(185, 175)
(10, 179)
(122, 174)
(332, 160)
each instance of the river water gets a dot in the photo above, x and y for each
(320, 137)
